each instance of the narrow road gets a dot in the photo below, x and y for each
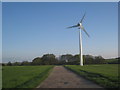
(60, 77)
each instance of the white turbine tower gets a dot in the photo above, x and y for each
(80, 27)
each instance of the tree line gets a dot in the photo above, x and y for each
(68, 59)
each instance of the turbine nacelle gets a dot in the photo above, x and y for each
(80, 26)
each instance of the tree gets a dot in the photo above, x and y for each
(49, 59)
(88, 59)
(25, 63)
(3, 64)
(67, 57)
(99, 60)
(9, 64)
(16, 63)
(37, 61)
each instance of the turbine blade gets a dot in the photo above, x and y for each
(82, 18)
(85, 32)
(73, 26)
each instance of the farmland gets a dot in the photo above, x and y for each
(105, 75)
(24, 76)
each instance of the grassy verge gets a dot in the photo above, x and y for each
(24, 76)
(104, 75)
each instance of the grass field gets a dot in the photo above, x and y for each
(24, 76)
(105, 75)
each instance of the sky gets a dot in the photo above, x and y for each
(32, 29)
(60, 1)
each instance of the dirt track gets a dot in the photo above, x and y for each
(60, 77)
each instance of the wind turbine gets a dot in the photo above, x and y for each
(80, 27)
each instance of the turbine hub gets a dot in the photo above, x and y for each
(80, 24)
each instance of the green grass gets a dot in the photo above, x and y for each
(24, 76)
(105, 75)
